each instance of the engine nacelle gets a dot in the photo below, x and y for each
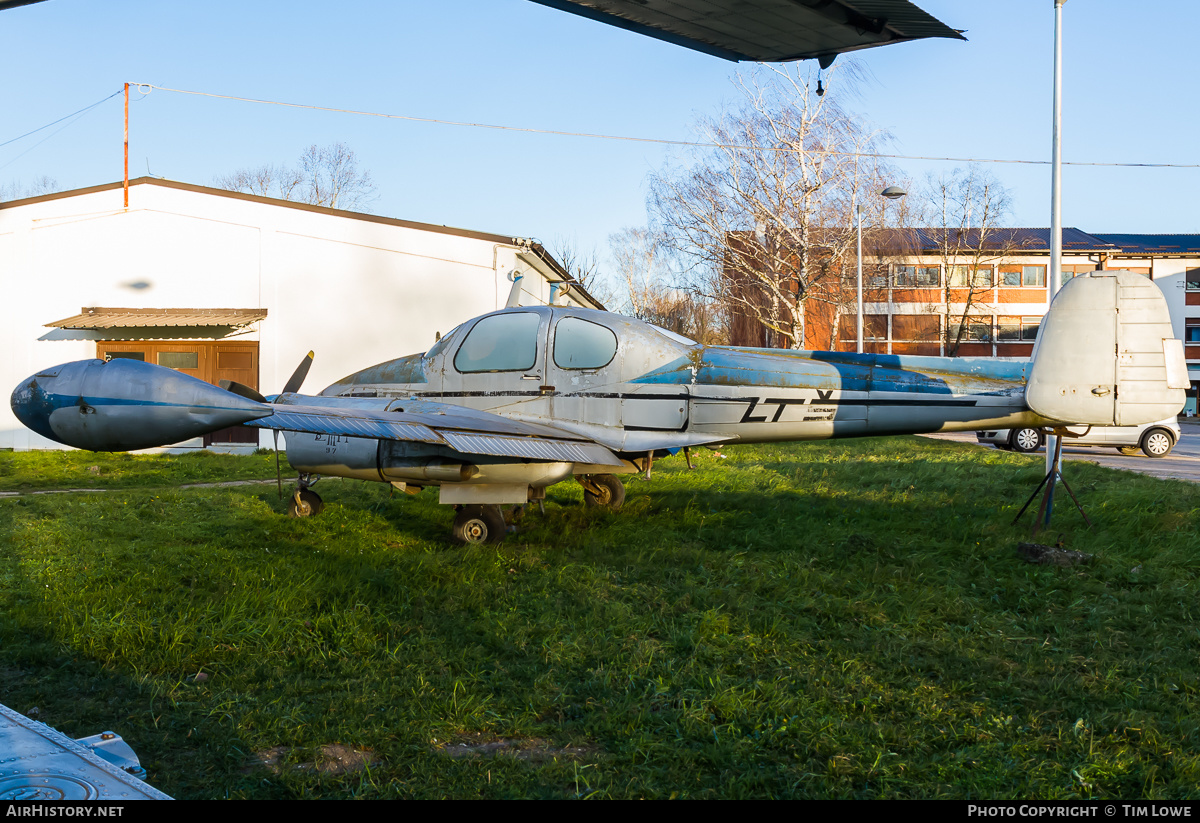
(390, 460)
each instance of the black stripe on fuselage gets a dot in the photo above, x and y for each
(769, 401)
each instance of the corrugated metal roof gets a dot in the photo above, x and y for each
(102, 318)
(767, 30)
(1155, 244)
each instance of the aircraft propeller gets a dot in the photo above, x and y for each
(291, 387)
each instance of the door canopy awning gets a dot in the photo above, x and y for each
(97, 318)
(767, 30)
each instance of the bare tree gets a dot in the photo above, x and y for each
(650, 294)
(763, 221)
(17, 190)
(583, 265)
(326, 176)
(970, 240)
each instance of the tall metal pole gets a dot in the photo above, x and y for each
(858, 210)
(1055, 222)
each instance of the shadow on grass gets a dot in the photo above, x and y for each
(846, 620)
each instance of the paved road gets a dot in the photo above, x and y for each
(1183, 463)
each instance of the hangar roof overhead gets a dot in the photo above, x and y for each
(757, 30)
(767, 30)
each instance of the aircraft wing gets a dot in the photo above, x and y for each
(467, 431)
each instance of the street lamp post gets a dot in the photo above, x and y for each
(1053, 453)
(891, 193)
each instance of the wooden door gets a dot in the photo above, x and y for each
(205, 360)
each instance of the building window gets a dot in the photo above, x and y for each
(960, 276)
(1023, 276)
(978, 330)
(874, 327)
(1193, 279)
(1017, 329)
(1191, 332)
(918, 276)
(179, 359)
(876, 277)
(920, 328)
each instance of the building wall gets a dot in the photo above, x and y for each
(355, 291)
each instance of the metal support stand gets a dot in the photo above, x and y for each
(1044, 510)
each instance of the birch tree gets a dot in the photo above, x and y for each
(970, 240)
(762, 220)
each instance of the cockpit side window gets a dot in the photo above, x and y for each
(581, 344)
(501, 342)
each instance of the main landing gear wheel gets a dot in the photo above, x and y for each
(479, 524)
(305, 503)
(603, 490)
(1157, 443)
(1025, 440)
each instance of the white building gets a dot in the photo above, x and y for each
(221, 284)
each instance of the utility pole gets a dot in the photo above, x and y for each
(126, 147)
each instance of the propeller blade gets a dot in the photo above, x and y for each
(297, 378)
(241, 389)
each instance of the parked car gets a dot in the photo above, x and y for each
(1154, 439)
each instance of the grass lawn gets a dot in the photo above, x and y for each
(824, 620)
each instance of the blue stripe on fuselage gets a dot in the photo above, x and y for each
(845, 371)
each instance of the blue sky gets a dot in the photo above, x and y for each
(1129, 91)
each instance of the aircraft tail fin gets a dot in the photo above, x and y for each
(1106, 355)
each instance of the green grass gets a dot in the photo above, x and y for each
(822, 620)
(32, 471)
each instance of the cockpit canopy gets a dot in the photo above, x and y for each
(513, 340)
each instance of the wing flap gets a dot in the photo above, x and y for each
(572, 451)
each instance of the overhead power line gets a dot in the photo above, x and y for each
(659, 140)
(59, 120)
(71, 119)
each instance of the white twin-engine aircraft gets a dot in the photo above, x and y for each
(523, 398)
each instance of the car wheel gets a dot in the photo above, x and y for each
(1025, 440)
(1129, 451)
(1157, 443)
